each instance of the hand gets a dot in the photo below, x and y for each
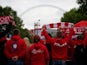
(60, 27)
(43, 30)
(85, 29)
(44, 27)
(15, 58)
(72, 25)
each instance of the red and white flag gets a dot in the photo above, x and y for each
(6, 20)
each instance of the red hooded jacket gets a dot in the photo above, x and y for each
(73, 45)
(38, 54)
(59, 45)
(21, 47)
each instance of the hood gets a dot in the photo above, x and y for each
(15, 37)
(59, 40)
(37, 46)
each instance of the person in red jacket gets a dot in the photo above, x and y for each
(59, 46)
(38, 53)
(15, 49)
(79, 53)
(4, 30)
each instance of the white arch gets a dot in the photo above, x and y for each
(29, 9)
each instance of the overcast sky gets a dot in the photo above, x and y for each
(46, 11)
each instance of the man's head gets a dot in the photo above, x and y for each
(36, 38)
(59, 34)
(16, 32)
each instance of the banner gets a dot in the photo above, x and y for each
(58, 25)
(6, 20)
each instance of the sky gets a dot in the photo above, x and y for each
(41, 11)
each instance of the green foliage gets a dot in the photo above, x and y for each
(76, 15)
(82, 6)
(73, 16)
(31, 38)
(7, 11)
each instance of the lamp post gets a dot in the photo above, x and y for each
(36, 26)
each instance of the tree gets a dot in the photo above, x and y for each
(7, 11)
(73, 16)
(83, 6)
(76, 15)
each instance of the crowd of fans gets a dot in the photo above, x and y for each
(61, 50)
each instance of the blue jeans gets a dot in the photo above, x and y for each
(59, 62)
(19, 62)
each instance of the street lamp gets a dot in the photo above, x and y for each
(36, 26)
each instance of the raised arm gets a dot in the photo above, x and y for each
(68, 38)
(47, 37)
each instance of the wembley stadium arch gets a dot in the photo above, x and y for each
(37, 6)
